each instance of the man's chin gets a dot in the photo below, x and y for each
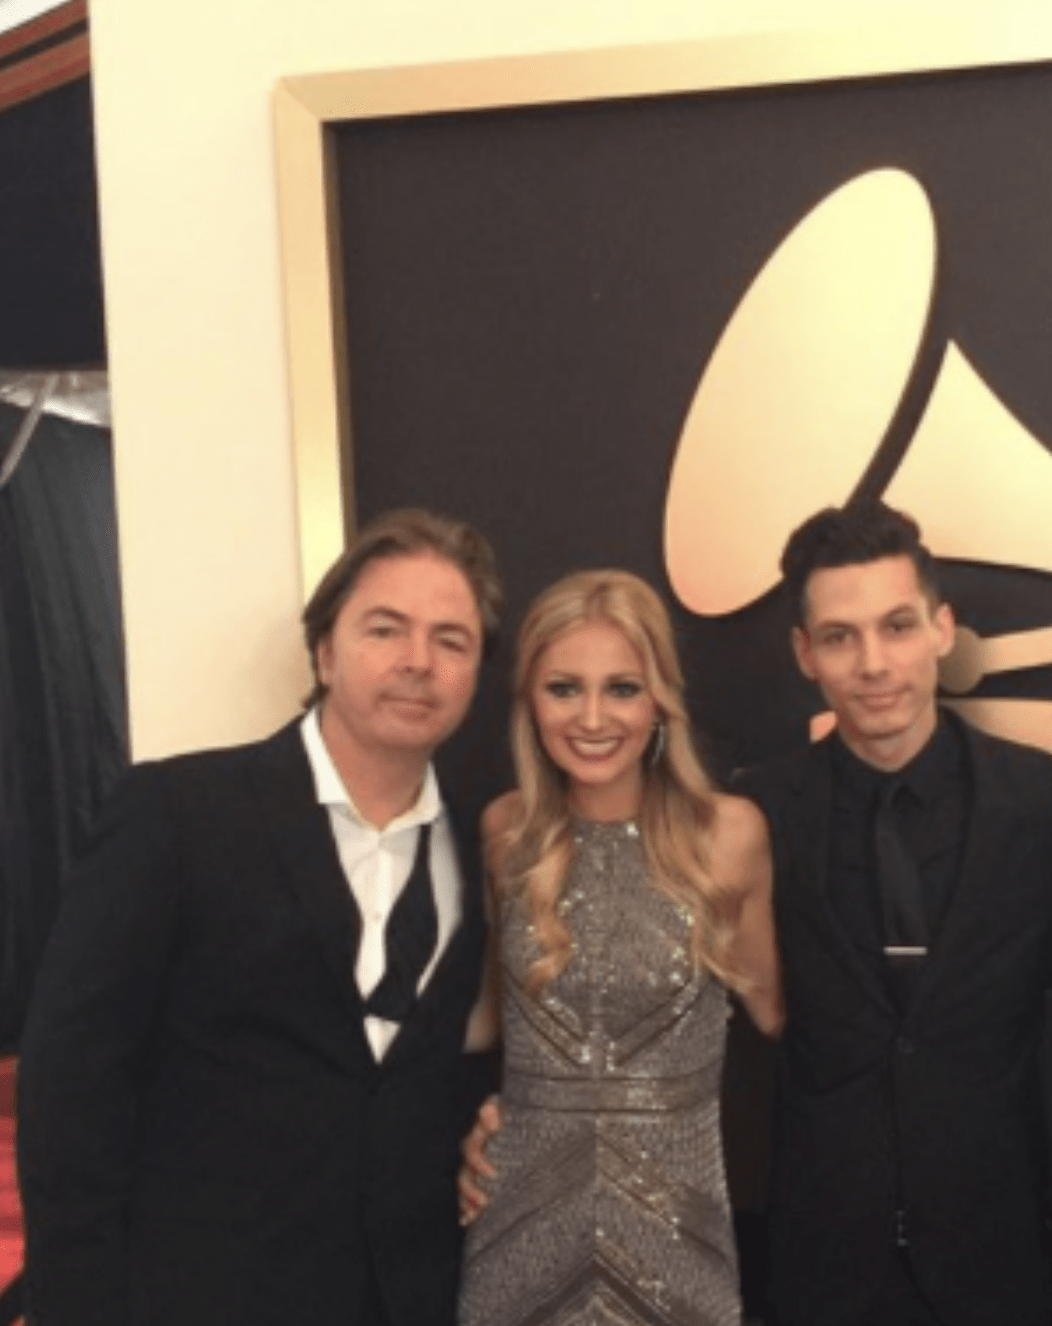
(893, 730)
(878, 735)
(416, 733)
(884, 718)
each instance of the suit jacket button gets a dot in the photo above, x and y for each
(904, 1045)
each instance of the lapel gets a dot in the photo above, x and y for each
(436, 998)
(305, 851)
(808, 829)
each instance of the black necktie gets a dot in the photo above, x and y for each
(410, 937)
(902, 904)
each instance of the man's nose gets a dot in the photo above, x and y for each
(872, 656)
(418, 655)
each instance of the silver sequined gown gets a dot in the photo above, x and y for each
(610, 1206)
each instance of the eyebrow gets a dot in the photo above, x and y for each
(403, 619)
(840, 624)
(564, 674)
(391, 613)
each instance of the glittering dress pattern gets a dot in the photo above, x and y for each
(610, 1204)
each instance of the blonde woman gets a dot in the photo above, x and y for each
(630, 896)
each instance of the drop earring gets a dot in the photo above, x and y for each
(658, 746)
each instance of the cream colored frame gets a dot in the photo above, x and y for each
(306, 107)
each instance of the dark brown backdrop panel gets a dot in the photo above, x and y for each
(532, 294)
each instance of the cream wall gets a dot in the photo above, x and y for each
(186, 173)
(15, 12)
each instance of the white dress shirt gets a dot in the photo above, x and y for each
(378, 863)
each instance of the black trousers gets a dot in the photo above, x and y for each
(373, 1313)
(900, 1302)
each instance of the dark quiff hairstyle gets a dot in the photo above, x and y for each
(853, 536)
(407, 532)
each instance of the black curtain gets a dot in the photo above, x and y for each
(62, 709)
(50, 261)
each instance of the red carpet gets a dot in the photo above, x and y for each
(10, 1210)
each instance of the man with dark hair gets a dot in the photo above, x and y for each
(913, 892)
(854, 536)
(243, 1079)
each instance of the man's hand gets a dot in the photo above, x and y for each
(476, 1166)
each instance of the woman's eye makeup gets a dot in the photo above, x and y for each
(561, 688)
(618, 688)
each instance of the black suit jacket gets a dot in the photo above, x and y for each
(926, 1125)
(205, 1136)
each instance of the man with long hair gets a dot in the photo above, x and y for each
(243, 1079)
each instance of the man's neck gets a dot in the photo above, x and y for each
(891, 753)
(383, 784)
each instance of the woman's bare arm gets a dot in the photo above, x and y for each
(483, 1031)
(484, 1022)
(741, 863)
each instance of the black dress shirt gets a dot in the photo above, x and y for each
(932, 815)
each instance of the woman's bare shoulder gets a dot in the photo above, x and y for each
(739, 836)
(498, 819)
(501, 814)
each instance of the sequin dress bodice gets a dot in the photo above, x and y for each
(610, 1205)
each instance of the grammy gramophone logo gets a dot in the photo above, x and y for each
(795, 410)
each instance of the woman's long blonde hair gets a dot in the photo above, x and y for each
(677, 808)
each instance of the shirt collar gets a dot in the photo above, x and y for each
(331, 791)
(932, 768)
(938, 760)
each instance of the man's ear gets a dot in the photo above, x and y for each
(945, 629)
(323, 659)
(798, 638)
